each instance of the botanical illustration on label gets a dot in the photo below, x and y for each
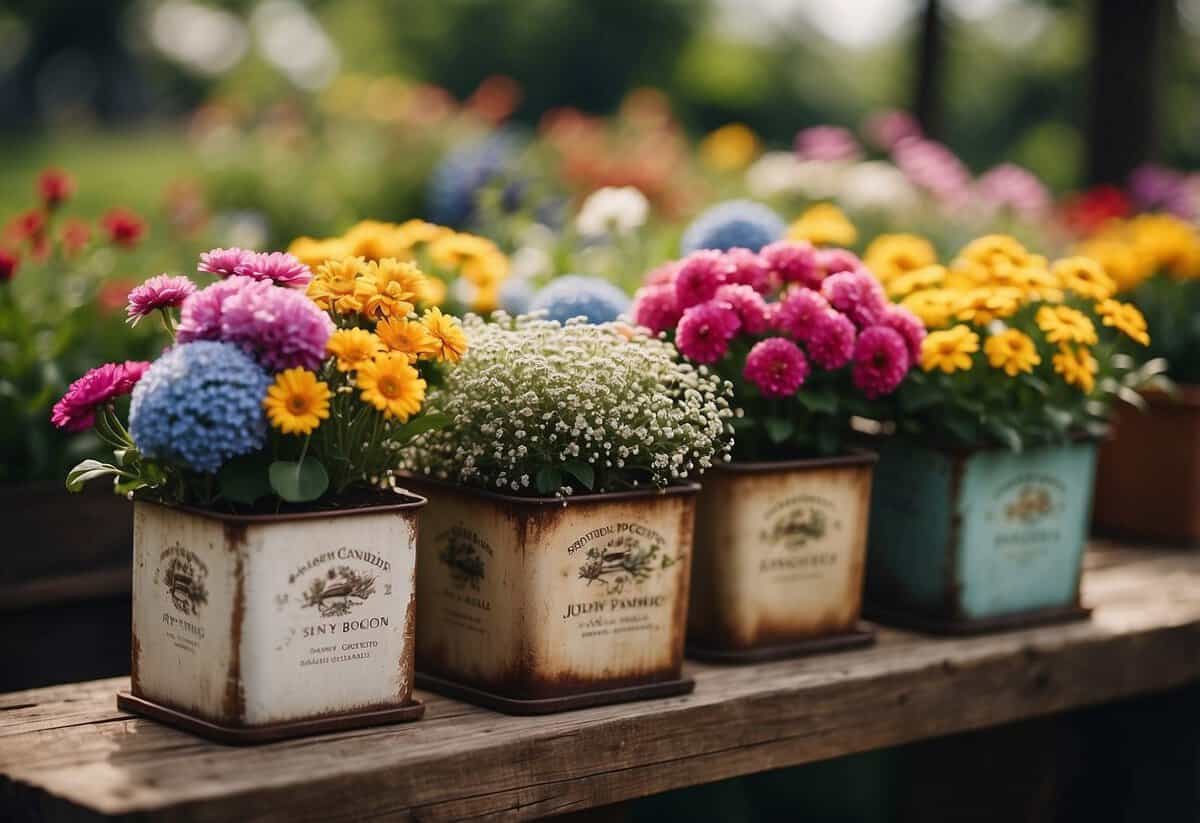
(621, 554)
(462, 555)
(1025, 516)
(339, 591)
(184, 575)
(795, 530)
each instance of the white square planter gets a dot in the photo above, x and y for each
(251, 628)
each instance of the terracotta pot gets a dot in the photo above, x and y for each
(536, 605)
(967, 541)
(780, 552)
(1148, 480)
(255, 628)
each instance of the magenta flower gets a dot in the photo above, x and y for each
(223, 262)
(749, 305)
(887, 127)
(699, 276)
(655, 308)
(279, 267)
(856, 294)
(908, 326)
(931, 166)
(76, 410)
(1009, 186)
(663, 274)
(749, 269)
(793, 262)
(832, 261)
(827, 144)
(880, 361)
(705, 330)
(799, 311)
(776, 366)
(831, 340)
(279, 327)
(163, 291)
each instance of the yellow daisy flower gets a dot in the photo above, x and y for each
(934, 307)
(1013, 351)
(391, 385)
(1077, 367)
(891, 255)
(376, 240)
(1085, 277)
(435, 291)
(928, 277)
(992, 249)
(729, 148)
(420, 233)
(353, 347)
(313, 252)
(949, 350)
(1125, 263)
(1125, 318)
(335, 284)
(297, 402)
(451, 339)
(983, 305)
(1063, 324)
(824, 225)
(407, 337)
(390, 288)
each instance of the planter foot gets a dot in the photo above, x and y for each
(236, 736)
(552, 705)
(861, 636)
(967, 626)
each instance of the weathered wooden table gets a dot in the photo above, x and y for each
(67, 753)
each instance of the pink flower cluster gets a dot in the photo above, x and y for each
(798, 304)
(279, 327)
(932, 166)
(279, 267)
(163, 291)
(76, 410)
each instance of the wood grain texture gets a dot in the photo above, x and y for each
(66, 753)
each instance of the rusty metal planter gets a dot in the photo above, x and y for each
(780, 551)
(256, 628)
(969, 541)
(536, 605)
(1148, 479)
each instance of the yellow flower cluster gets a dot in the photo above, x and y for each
(823, 225)
(1133, 250)
(983, 289)
(446, 253)
(730, 148)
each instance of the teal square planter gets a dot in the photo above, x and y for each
(968, 541)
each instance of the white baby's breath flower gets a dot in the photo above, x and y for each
(612, 210)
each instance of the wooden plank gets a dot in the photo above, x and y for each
(65, 752)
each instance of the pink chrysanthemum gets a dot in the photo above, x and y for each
(699, 276)
(76, 410)
(655, 308)
(799, 311)
(827, 144)
(880, 361)
(280, 267)
(793, 262)
(832, 261)
(705, 330)
(279, 327)
(856, 294)
(776, 366)
(163, 291)
(750, 307)
(907, 325)
(663, 274)
(223, 262)
(831, 340)
(748, 270)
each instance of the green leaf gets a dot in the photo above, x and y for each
(917, 396)
(779, 429)
(298, 482)
(583, 472)
(88, 470)
(1006, 434)
(818, 401)
(245, 479)
(549, 480)
(420, 425)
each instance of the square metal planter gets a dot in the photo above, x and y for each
(1148, 479)
(538, 605)
(780, 553)
(256, 628)
(967, 541)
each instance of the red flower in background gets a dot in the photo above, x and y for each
(495, 99)
(75, 235)
(55, 187)
(124, 227)
(113, 295)
(9, 260)
(1087, 211)
(27, 226)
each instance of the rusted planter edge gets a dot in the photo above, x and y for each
(691, 488)
(413, 501)
(855, 457)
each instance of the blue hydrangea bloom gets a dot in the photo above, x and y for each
(464, 170)
(576, 295)
(516, 295)
(200, 404)
(733, 224)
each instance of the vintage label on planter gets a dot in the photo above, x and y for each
(549, 597)
(266, 622)
(779, 555)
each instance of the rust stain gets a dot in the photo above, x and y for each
(135, 657)
(410, 639)
(233, 706)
